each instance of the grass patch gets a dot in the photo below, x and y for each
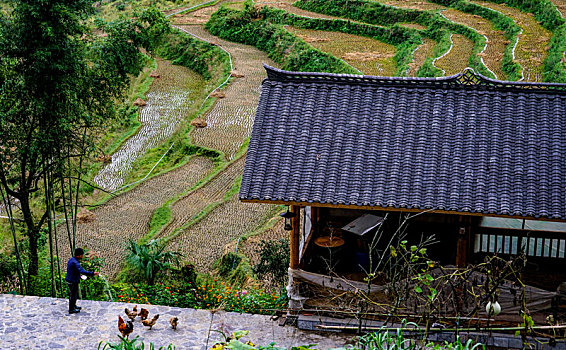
(160, 217)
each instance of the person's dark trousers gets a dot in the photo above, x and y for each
(73, 295)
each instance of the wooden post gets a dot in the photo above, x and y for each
(462, 250)
(294, 238)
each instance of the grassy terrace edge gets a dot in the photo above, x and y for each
(287, 49)
(438, 27)
(554, 69)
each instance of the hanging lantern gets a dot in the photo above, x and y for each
(288, 216)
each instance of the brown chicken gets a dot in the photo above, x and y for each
(173, 321)
(143, 314)
(125, 327)
(132, 314)
(150, 323)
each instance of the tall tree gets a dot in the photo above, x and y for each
(60, 80)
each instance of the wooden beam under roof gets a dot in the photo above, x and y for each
(406, 210)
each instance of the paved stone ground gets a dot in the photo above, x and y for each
(43, 323)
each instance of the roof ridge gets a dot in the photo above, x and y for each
(465, 79)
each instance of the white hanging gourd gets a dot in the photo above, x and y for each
(493, 309)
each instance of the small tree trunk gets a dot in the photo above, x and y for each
(33, 236)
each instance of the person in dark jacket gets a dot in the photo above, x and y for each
(73, 278)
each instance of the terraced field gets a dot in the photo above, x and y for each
(533, 42)
(168, 101)
(369, 56)
(287, 5)
(204, 242)
(492, 55)
(230, 121)
(422, 52)
(128, 215)
(456, 58)
(190, 206)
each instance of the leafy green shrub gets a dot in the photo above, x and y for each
(7, 268)
(150, 258)
(235, 269)
(197, 55)
(134, 344)
(93, 288)
(274, 259)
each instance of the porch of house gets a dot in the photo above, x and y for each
(335, 252)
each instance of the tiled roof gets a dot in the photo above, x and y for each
(464, 144)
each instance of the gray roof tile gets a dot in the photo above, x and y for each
(492, 147)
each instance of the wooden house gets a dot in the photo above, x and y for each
(482, 162)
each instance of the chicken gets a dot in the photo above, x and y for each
(151, 323)
(125, 327)
(132, 314)
(173, 321)
(143, 314)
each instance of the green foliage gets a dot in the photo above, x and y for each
(150, 258)
(134, 344)
(235, 269)
(160, 217)
(93, 288)
(209, 294)
(65, 81)
(7, 268)
(554, 70)
(40, 285)
(274, 259)
(387, 340)
(197, 55)
(281, 46)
